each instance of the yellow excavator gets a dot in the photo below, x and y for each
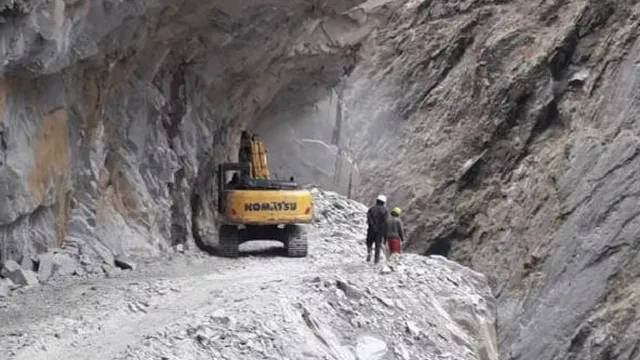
(255, 207)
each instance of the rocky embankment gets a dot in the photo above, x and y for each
(331, 305)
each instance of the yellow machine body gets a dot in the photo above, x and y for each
(268, 207)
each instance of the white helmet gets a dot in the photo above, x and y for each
(382, 198)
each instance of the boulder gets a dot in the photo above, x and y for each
(18, 275)
(370, 348)
(6, 285)
(64, 264)
(110, 271)
(349, 290)
(45, 269)
(27, 263)
(55, 263)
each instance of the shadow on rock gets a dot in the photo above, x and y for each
(264, 252)
(252, 250)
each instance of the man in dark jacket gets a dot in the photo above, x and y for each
(377, 226)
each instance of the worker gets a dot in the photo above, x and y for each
(235, 180)
(394, 233)
(377, 222)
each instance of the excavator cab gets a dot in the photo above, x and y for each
(239, 172)
(254, 207)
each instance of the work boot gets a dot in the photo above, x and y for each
(368, 255)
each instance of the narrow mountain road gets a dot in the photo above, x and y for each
(330, 305)
(101, 319)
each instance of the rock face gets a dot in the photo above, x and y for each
(18, 275)
(508, 132)
(331, 305)
(303, 131)
(114, 114)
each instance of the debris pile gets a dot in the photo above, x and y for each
(341, 307)
(339, 228)
(57, 265)
(427, 306)
(331, 305)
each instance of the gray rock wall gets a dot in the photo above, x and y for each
(304, 139)
(114, 113)
(508, 133)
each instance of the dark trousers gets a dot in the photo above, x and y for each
(374, 238)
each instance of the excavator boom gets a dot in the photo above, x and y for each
(252, 150)
(259, 162)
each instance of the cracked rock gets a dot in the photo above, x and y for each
(6, 285)
(370, 348)
(19, 276)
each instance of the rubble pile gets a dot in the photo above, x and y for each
(56, 265)
(339, 227)
(330, 305)
(427, 306)
(341, 307)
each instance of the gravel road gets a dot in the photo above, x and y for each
(330, 305)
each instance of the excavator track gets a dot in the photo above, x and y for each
(296, 244)
(229, 241)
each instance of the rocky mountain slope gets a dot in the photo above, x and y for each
(332, 305)
(507, 130)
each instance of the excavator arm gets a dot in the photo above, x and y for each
(259, 165)
(253, 151)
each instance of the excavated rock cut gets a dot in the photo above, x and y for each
(115, 113)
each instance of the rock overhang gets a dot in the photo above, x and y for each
(146, 96)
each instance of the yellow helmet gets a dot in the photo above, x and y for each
(396, 211)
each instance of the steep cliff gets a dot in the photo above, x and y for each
(508, 132)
